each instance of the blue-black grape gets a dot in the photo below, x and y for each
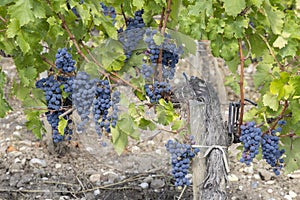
(157, 91)
(147, 71)
(133, 33)
(64, 61)
(181, 156)
(53, 93)
(251, 138)
(108, 11)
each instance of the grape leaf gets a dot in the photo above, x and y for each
(21, 10)
(271, 101)
(177, 125)
(291, 146)
(262, 74)
(119, 140)
(138, 4)
(145, 123)
(274, 17)
(234, 7)
(26, 75)
(62, 124)
(280, 42)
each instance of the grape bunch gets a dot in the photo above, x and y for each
(270, 148)
(181, 155)
(147, 71)
(157, 91)
(64, 61)
(108, 11)
(83, 96)
(133, 33)
(170, 53)
(53, 93)
(57, 90)
(101, 106)
(250, 137)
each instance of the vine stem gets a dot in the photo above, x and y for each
(2, 19)
(72, 37)
(47, 61)
(123, 13)
(161, 19)
(270, 49)
(164, 20)
(242, 60)
(285, 106)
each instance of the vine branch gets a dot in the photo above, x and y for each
(242, 61)
(285, 106)
(72, 37)
(47, 61)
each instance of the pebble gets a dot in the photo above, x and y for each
(57, 165)
(144, 185)
(135, 149)
(18, 127)
(233, 178)
(270, 191)
(292, 194)
(64, 198)
(36, 161)
(97, 192)
(257, 176)
(95, 178)
(240, 187)
(288, 197)
(17, 134)
(254, 185)
(270, 182)
(157, 183)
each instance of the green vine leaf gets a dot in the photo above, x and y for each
(22, 11)
(280, 42)
(293, 154)
(275, 17)
(234, 7)
(271, 101)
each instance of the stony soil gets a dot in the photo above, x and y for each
(28, 170)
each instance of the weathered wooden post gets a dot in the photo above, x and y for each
(210, 168)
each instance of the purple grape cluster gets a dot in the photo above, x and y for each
(101, 106)
(250, 137)
(115, 101)
(270, 148)
(83, 95)
(54, 88)
(170, 53)
(133, 33)
(147, 71)
(108, 11)
(64, 61)
(181, 156)
(157, 91)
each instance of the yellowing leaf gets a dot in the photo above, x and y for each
(62, 124)
(271, 101)
(280, 42)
